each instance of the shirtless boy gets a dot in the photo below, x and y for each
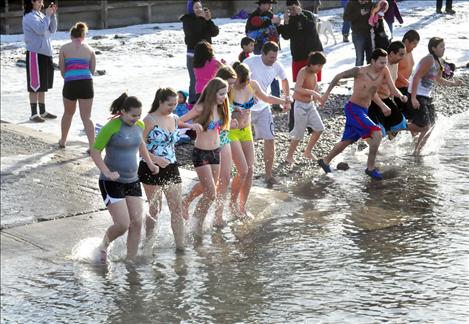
(367, 79)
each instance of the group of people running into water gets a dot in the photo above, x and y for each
(389, 95)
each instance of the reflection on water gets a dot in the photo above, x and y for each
(342, 248)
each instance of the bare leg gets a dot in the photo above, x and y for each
(207, 175)
(423, 137)
(373, 142)
(153, 194)
(121, 223)
(85, 114)
(241, 165)
(248, 149)
(223, 183)
(291, 151)
(70, 107)
(269, 153)
(135, 206)
(312, 141)
(173, 196)
(336, 150)
(196, 191)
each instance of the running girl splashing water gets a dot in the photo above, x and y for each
(160, 136)
(211, 116)
(118, 181)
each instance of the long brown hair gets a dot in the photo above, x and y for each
(208, 99)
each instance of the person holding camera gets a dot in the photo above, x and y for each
(37, 29)
(198, 26)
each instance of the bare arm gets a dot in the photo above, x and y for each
(92, 62)
(384, 108)
(286, 87)
(352, 73)
(445, 82)
(98, 160)
(142, 149)
(259, 93)
(62, 62)
(191, 114)
(424, 67)
(392, 86)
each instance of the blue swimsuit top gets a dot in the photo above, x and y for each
(245, 105)
(214, 125)
(160, 142)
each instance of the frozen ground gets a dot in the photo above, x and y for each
(142, 58)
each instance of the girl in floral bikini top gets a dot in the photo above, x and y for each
(160, 136)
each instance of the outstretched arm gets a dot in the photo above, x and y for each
(352, 73)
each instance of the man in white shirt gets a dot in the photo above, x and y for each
(265, 69)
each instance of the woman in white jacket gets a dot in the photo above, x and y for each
(37, 29)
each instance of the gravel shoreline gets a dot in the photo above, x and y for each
(448, 101)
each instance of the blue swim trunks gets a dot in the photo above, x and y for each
(357, 123)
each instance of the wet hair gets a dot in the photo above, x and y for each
(124, 103)
(246, 41)
(434, 42)
(377, 53)
(395, 47)
(162, 95)
(242, 71)
(208, 99)
(269, 46)
(226, 72)
(203, 52)
(316, 58)
(411, 36)
(79, 30)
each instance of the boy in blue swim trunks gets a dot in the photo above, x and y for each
(358, 125)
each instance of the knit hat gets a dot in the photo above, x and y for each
(185, 94)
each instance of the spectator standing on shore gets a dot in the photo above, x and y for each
(391, 13)
(77, 63)
(247, 44)
(358, 12)
(448, 7)
(262, 27)
(299, 26)
(379, 37)
(346, 25)
(37, 29)
(205, 66)
(197, 25)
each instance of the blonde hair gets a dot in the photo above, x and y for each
(79, 30)
(208, 99)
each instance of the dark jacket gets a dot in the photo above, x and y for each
(197, 29)
(304, 38)
(353, 14)
(259, 26)
(393, 12)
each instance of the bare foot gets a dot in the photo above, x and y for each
(234, 209)
(245, 214)
(219, 223)
(310, 156)
(185, 209)
(61, 145)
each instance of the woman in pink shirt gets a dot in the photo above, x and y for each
(205, 66)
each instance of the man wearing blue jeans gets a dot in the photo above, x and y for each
(358, 12)
(346, 24)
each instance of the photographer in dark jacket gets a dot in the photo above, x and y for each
(299, 26)
(358, 13)
(198, 26)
